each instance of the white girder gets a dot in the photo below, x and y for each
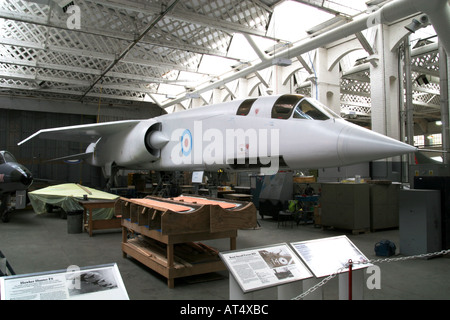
(41, 54)
(355, 86)
(37, 39)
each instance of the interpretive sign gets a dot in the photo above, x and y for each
(93, 283)
(197, 176)
(264, 267)
(328, 255)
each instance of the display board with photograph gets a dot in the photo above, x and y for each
(91, 283)
(264, 267)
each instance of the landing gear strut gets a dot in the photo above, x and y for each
(5, 211)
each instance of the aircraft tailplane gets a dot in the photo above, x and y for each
(78, 156)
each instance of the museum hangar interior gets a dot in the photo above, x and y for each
(119, 110)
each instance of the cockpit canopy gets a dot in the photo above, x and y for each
(6, 157)
(293, 106)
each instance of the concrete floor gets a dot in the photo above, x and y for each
(36, 243)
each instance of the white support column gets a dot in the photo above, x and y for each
(242, 89)
(197, 102)
(278, 75)
(217, 96)
(327, 82)
(445, 107)
(385, 100)
(385, 87)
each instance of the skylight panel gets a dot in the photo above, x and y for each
(291, 20)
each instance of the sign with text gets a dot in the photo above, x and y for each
(326, 256)
(93, 283)
(263, 267)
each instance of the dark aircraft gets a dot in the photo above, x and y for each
(13, 177)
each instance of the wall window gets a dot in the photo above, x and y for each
(435, 139)
(428, 140)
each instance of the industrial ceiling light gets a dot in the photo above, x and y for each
(281, 62)
(417, 24)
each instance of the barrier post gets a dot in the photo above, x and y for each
(350, 279)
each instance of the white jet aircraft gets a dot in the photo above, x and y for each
(266, 134)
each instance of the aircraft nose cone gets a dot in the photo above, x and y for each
(22, 175)
(357, 144)
(26, 180)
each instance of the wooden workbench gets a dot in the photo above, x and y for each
(91, 224)
(173, 223)
(165, 264)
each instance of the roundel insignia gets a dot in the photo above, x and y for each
(186, 142)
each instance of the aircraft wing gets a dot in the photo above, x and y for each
(83, 133)
(78, 156)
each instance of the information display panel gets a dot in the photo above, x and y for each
(263, 267)
(91, 283)
(197, 176)
(326, 256)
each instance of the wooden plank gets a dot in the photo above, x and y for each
(242, 218)
(143, 216)
(154, 220)
(124, 208)
(195, 254)
(106, 224)
(182, 223)
(206, 201)
(178, 238)
(154, 253)
(160, 205)
(210, 250)
(134, 212)
(144, 259)
(161, 249)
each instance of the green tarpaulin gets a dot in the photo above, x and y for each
(66, 196)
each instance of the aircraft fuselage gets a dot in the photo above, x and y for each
(13, 175)
(265, 134)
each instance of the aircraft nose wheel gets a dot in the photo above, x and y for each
(5, 210)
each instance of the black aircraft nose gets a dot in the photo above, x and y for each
(26, 180)
(23, 176)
